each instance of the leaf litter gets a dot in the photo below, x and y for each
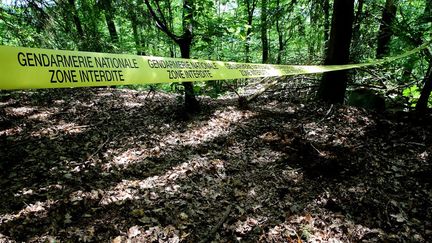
(112, 165)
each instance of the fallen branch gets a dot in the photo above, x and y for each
(100, 147)
(262, 90)
(232, 88)
(327, 114)
(218, 225)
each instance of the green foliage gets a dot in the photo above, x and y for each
(413, 94)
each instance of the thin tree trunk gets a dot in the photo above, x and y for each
(109, 18)
(408, 69)
(385, 32)
(250, 7)
(357, 20)
(133, 19)
(76, 19)
(423, 101)
(333, 84)
(326, 10)
(280, 37)
(185, 43)
(264, 35)
(170, 18)
(356, 31)
(248, 39)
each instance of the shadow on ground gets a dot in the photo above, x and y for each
(104, 164)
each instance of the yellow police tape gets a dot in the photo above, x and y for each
(30, 68)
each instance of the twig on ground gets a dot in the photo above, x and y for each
(99, 148)
(262, 90)
(327, 114)
(218, 225)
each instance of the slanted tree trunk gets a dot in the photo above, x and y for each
(76, 19)
(333, 84)
(264, 35)
(385, 31)
(422, 103)
(109, 18)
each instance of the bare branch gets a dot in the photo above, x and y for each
(160, 23)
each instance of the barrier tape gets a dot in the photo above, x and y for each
(31, 68)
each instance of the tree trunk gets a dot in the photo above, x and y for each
(170, 18)
(407, 70)
(385, 30)
(280, 42)
(355, 44)
(250, 7)
(333, 84)
(423, 101)
(264, 36)
(248, 39)
(134, 23)
(427, 14)
(109, 18)
(185, 43)
(326, 10)
(76, 19)
(279, 33)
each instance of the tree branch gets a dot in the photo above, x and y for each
(160, 23)
(159, 9)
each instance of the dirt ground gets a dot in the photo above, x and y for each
(113, 165)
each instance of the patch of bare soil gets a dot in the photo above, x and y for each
(114, 165)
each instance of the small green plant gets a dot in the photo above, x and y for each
(413, 94)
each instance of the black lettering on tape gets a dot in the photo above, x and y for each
(21, 59)
(52, 76)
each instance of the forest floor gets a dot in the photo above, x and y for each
(115, 165)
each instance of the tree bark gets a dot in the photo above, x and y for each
(423, 101)
(109, 18)
(355, 43)
(333, 84)
(250, 7)
(76, 19)
(184, 42)
(264, 36)
(134, 23)
(326, 10)
(385, 31)
(280, 38)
